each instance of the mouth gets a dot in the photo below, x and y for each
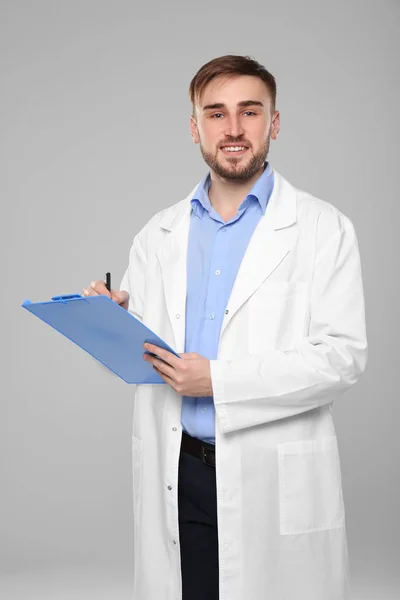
(234, 150)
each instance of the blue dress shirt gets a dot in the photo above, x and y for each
(215, 251)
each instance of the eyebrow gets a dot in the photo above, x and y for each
(241, 104)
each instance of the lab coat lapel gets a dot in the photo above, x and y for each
(172, 257)
(269, 244)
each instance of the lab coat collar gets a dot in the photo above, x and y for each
(281, 208)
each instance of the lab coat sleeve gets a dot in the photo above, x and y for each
(258, 389)
(133, 280)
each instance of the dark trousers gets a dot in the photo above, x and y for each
(197, 504)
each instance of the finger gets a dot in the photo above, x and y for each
(96, 288)
(89, 291)
(162, 366)
(100, 287)
(170, 358)
(165, 377)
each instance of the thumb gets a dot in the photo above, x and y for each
(120, 297)
(189, 355)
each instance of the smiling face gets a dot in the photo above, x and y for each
(233, 125)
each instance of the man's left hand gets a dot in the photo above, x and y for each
(189, 375)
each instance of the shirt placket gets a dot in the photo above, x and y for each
(214, 310)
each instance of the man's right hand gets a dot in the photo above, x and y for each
(98, 288)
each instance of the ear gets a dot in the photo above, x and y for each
(194, 132)
(275, 125)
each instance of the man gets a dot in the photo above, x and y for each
(257, 285)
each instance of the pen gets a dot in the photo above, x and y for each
(108, 281)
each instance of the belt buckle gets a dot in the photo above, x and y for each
(206, 453)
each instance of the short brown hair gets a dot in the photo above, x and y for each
(231, 64)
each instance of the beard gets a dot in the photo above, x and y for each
(234, 170)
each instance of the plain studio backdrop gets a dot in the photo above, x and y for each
(94, 141)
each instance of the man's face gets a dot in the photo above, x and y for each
(233, 125)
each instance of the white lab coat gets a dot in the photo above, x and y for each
(293, 339)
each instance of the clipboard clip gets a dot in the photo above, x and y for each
(63, 299)
(66, 297)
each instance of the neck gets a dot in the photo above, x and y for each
(226, 195)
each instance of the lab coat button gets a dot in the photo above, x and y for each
(227, 311)
(225, 546)
(170, 487)
(174, 542)
(174, 429)
(178, 316)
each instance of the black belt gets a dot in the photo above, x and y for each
(199, 449)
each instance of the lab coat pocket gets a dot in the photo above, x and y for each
(310, 486)
(137, 452)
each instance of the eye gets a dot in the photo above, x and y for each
(249, 112)
(216, 115)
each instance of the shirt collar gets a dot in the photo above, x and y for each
(261, 191)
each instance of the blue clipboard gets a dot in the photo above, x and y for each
(105, 330)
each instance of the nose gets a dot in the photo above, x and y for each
(233, 127)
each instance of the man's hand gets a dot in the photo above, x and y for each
(98, 288)
(189, 375)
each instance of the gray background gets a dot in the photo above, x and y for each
(94, 140)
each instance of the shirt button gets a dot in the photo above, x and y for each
(212, 316)
(217, 272)
(177, 316)
(203, 410)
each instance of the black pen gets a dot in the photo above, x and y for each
(108, 281)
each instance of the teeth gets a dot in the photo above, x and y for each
(234, 148)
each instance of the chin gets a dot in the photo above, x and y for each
(241, 169)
